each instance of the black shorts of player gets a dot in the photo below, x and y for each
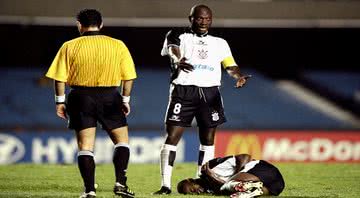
(187, 102)
(270, 176)
(88, 105)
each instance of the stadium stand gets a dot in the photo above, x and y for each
(26, 102)
(341, 86)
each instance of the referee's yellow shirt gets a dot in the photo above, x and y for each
(92, 61)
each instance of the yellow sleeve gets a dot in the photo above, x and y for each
(228, 62)
(59, 68)
(127, 65)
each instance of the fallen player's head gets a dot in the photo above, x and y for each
(190, 186)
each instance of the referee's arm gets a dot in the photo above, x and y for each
(127, 87)
(125, 92)
(59, 88)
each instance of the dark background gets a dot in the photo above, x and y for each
(277, 52)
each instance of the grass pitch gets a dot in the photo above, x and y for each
(302, 180)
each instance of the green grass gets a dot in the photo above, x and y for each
(302, 180)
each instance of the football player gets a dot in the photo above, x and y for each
(239, 176)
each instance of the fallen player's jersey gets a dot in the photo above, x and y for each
(205, 53)
(225, 168)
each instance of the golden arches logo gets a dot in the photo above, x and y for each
(244, 144)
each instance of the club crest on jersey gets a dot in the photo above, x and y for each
(201, 43)
(203, 54)
(215, 116)
(175, 118)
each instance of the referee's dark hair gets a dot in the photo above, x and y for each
(89, 18)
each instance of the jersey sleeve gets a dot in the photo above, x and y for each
(172, 38)
(227, 58)
(127, 64)
(59, 68)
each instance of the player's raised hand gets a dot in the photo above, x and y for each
(61, 111)
(242, 81)
(184, 66)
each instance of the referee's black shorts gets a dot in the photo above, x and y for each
(88, 105)
(187, 102)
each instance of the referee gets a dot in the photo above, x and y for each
(94, 66)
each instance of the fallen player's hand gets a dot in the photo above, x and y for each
(186, 67)
(205, 169)
(242, 80)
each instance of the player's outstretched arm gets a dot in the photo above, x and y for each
(234, 72)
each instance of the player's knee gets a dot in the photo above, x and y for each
(207, 141)
(172, 139)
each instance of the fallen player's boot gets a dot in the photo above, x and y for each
(254, 192)
(240, 186)
(245, 186)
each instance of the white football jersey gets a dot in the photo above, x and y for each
(206, 53)
(225, 168)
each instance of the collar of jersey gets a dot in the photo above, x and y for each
(90, 33)
(199, 35)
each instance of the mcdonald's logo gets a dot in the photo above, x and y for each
(249, 144)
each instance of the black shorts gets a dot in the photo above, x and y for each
(270, 176)
(187, 102)
(88, 105)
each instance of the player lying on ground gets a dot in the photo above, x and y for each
(238, 176)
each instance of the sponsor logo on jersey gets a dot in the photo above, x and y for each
(205, 67)
(201, 42)
(175, 118)
(11, 149)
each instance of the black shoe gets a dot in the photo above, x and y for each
(123, 191)
(163, 191)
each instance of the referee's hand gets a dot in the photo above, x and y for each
(186, 67)
(61, 111)
(126, 108)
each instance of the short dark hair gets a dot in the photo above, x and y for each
(89, 17)
(184, 186)
(197, 8)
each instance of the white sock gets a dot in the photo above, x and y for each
(167, 158)
(206, 153)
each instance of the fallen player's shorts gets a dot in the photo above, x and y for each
(86, 106)
(270, 176)
(187, 102)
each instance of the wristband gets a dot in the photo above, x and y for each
(60, 99)
(125, 99)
